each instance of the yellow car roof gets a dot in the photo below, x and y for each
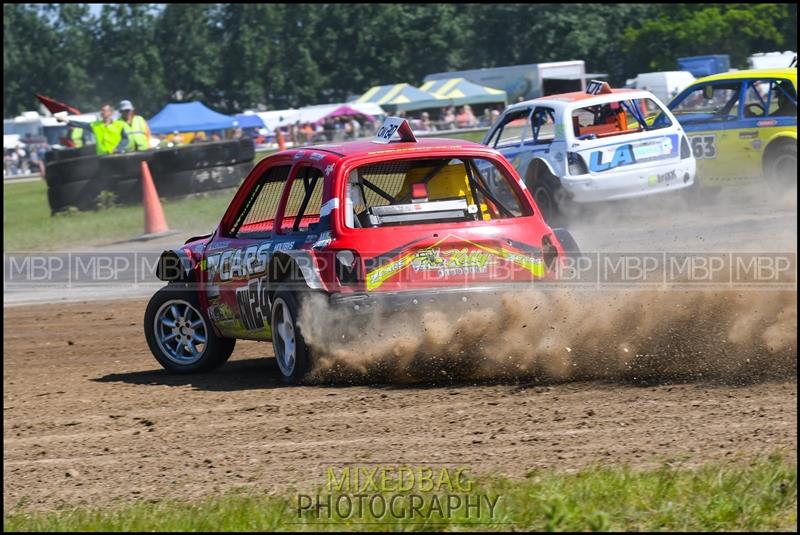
(788, 72)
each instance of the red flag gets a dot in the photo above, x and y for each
(55, 106)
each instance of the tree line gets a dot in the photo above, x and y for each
(274, 56)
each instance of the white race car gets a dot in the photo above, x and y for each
(591, 146)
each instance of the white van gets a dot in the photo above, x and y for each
(771, 60)
(664, 85)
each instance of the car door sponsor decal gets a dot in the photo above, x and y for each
(238, 263)
(253, 301)
(663, 178)
(623, 155)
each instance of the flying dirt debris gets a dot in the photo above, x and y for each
(569, 334)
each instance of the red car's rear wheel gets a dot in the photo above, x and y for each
(291, 353)
(179, 334)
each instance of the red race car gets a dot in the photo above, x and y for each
(370, 225)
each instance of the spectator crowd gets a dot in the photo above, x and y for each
(24, 159)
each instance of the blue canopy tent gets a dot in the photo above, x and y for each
(189, 117)
(248, 120)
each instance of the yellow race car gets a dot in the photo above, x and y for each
(742, 125)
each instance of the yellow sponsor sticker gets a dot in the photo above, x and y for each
(380, 275)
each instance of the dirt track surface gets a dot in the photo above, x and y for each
(90, 418)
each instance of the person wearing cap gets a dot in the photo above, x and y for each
(136, 127)
(111, 136)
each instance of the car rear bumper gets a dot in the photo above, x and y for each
(614, 185)
(423, 299)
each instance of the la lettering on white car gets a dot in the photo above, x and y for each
(595, 145)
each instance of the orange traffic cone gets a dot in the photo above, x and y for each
(154, 222)
(281, 140)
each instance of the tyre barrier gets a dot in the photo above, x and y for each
(68, 154)
(77, 181)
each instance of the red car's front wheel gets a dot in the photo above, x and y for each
(179, 334)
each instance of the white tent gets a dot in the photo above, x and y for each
(312, 114)
(279, 118)
(11, 141)
(368, 108)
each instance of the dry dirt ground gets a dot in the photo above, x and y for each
(90, 418)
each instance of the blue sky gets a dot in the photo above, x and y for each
(96, 8)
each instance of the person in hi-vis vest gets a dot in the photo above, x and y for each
(136, 127)
(78, 137)
(110, 136)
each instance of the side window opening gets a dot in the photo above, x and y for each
(709, 102)
(428, 191)
(512, 129)
(543, 122)
(304, 201)
(258, 215)
(770, 98)
(785, 95)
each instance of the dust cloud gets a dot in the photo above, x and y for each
(567, 333)
(564, 335)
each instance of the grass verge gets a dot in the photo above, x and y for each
(759, 495)
(28, 225)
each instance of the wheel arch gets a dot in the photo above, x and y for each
(176, 266)
(535, 167)
(774, 143)
(296, 266)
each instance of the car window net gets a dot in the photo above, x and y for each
(429, 191)
(261, 205)
(304, 201)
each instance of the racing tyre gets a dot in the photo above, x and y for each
(63, 171)
(129, 190)
(549, 196)
(567, 242)
(81, 194)
(291, 353)
(68, 154)
(180, 336)
(780, 166)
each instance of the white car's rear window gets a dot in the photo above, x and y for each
(616, 118)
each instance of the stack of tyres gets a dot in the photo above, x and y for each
(76, 179)
(204, 167)
(68, 154)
